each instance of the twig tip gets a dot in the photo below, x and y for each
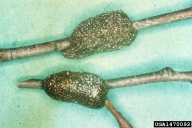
(32, 83)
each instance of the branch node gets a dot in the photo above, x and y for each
(169, 71)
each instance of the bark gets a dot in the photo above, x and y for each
(34, 50)
(163, 19)
(164, 75)
(118, 116)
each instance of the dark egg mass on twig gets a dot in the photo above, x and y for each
(90, 90)
(105, 32)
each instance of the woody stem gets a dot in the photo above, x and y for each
(27, 51)
(118, 116)
(163, 19)
(164, 75)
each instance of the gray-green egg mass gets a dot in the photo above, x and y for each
(105, 32)
(82, 88)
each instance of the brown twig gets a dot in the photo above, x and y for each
(22, 52)
(118, 116)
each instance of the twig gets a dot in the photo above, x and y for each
(32, 83)
(90, 90)
(22, 52)
(163, 19)
(118, 116)
(164, 75)
(27, 51)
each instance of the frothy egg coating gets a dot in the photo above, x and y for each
(82, 88)
(105, 32)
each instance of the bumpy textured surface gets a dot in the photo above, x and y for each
(82, 88)
(105, 32)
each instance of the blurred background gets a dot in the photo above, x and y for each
(31, 22)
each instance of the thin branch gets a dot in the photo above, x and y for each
(163, 19)
(120, 119)
(22, 52)
(164, 75)
(32, 83)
